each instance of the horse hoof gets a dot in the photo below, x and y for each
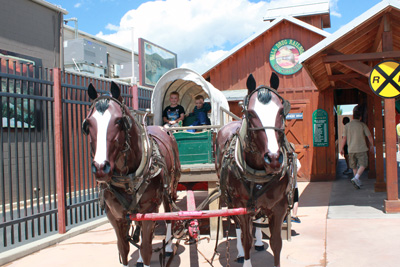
(168, 254)
(139, 264)
(259, 248)
(240, 260)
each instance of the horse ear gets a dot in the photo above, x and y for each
(251, 83)
(274, 81)
(92, 92)
(115, 91)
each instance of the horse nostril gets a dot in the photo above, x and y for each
(267, 158)
(107, 167)
(94, 169)
(280, 159)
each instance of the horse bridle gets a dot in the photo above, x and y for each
(286, 109)
(127, 124)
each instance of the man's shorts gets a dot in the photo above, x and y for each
(358, 159)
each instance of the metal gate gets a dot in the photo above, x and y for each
(41, 144)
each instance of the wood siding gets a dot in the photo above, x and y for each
(253, 58)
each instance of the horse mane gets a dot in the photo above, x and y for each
(102, 105)
(264, 95)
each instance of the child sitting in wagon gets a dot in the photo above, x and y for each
(174, 113)
(200, 112)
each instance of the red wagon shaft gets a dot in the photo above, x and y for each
(191, 212)
(186, 215)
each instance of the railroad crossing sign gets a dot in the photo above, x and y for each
(384, 79)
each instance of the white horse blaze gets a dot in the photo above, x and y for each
(102, 125)
(267, 114)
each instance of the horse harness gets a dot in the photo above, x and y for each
(256, 182)
(151, 164)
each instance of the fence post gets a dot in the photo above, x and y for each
(59, 159)
(135, 96)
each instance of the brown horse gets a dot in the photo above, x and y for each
(137, 167)
(253, 163)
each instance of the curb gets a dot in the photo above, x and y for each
(33, 247)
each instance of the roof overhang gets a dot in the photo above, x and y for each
(51, 6)
(345, 59)
(313, 8)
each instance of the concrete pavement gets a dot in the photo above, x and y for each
(340, 226)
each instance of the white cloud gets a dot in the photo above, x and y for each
(112, 27)
(334, 8)
(77, 5)
(197, 30)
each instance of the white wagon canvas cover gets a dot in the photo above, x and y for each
(188, 84)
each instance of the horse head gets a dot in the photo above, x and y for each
(265, 111)
(108, 126)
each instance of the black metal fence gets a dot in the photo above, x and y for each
(27, 166)
(28, 185)
(144, 98)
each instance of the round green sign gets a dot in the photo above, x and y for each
(284, 56)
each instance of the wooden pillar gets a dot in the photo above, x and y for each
(370, 122)
(380, 184)
(214, 221)
(135, 97)
(58, 146)
(392, 203)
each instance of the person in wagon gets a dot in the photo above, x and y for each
(174, 113)
(200, 111)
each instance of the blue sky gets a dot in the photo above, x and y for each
(199, 31)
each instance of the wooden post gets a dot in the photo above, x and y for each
(214, 221)
(135, 96)
(392, 204)
(58, 146)
(380, 184)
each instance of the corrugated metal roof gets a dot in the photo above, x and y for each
(269, 25)
(347, 28)
(304, 9)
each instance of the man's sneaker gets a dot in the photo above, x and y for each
(348, 171)
(356, 183)
(296, 219)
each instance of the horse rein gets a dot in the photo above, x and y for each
(127, 124)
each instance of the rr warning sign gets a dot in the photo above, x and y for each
(384, 79)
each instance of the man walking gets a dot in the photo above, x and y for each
(354, 135)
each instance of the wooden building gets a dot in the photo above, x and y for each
(259, 56)
(340, 67)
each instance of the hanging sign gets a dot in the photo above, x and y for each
(284, 56)
(384, 79)
(320, 128)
